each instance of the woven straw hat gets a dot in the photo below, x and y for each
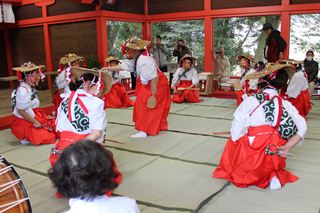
(28, 67)
(187, 56)
(70, 57)
(247, 56)
(112, 58)
(137, 44)
(270, 68)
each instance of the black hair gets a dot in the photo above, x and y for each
(24, 74)
(279, 82)
(159, 37)
(310, 51)
(181, 40)
(84, 170)
(84, 78)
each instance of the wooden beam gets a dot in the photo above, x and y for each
(102, 40)
(285, 31)
(208, 44)
(8, 54)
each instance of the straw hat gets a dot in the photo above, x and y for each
(270, 68)
(247, 56)
(112, 58)
(137, 44)
(77, 73)
(28, 67)
(187, 56)
(70, 57)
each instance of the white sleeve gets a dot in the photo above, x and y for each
(195, 77)
(23, 99)
(241, 116)
(175, 78)
(297, 118)
(97, 116)
(127, 65)
(295, 84)
(147, 69)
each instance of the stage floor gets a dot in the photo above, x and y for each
(172, 172)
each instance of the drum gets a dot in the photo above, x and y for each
(13, 195)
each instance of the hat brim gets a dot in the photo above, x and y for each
(290, 69)
(66, 60)
(28, 69)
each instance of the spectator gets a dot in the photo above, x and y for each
(221, 65)
(311, 67)
(83, 174)
(159, 52)
(180, 50)
(275, 44)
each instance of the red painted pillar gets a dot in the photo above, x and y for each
(102, 39)
(47, 44)
(146, 26)
(8, 55)
(285, 31)
(208, 44)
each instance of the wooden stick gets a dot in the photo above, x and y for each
(221, 133)
(182, 88)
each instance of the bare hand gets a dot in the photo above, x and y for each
(37, 124)
(284, 151)
(175, 90)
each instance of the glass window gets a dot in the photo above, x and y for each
(304, 36)
(118, 32)
(192, 32)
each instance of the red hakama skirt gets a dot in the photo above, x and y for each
(117, 97)
(23, 129)
(302, 102)
(191, 96)
(245, 165)
(152, 121)
(67, 138)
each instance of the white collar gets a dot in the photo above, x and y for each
(270, 91)
(24, 84)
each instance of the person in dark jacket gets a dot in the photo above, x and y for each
(311, 67)
(180, 50)
(275, 44)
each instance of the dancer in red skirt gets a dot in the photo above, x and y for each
(117, 97)
(30, 123)
(81, 113)
(265, 128)
(63, 79)
(298, 89)
(152, 104)
(185, 82)
(248, 86)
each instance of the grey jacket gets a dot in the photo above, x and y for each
(160, 55)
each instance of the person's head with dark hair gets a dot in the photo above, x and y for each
(309, 55)
(181, 42)
(158, 40)
(277, 80)
(84, 170)
(86, 82)
(267, 28)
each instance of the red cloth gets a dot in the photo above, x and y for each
(191, 96)
(246, 165)
(239, 94)
(152, 121)
(117, 97)
(67, 138)
(23, 129)
(57, 99)
(302, 102)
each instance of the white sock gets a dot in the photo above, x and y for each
(274, 183)
(139, 134)
(24, 142)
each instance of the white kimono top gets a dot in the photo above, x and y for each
(253, 84)
(146, 67)
(82, 122)
(242, 119)
(25, 98)
(103, 204)
(297, 84)
(182, 75)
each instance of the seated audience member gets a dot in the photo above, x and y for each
(84, 173)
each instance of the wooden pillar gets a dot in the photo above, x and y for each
(8, 55)
(208, 39)
(146, 26)
(102, 39)
(47, 44)
(285, 31)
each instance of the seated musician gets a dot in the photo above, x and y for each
(185, 82)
